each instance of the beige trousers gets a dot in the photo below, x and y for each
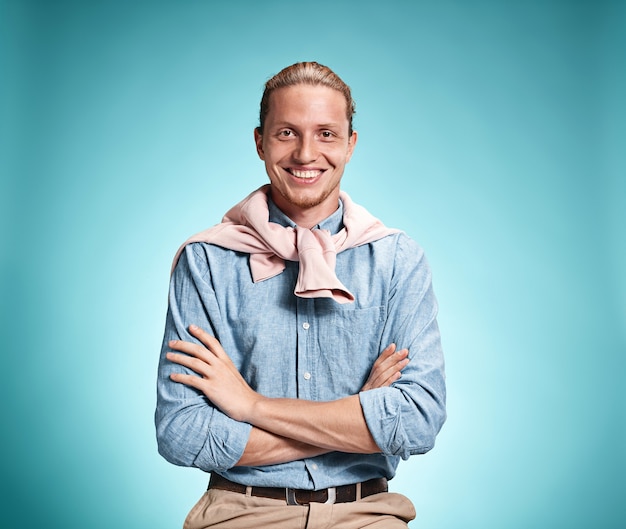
(222, 509)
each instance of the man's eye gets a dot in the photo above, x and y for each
(285, 133)
(327, 134)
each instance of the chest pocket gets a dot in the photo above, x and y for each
(349, 345)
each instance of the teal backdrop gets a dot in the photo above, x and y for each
(491, 131)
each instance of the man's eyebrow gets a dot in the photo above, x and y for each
(281, 124)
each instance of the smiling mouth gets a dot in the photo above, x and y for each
(305, 174)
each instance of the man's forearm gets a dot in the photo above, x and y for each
(267, 448)
(336, 425)
(305, 428)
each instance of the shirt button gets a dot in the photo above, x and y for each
(305, 325)
(307, 376)
(314, 466)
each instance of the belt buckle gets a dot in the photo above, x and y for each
(290, 496)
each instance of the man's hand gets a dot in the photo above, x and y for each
(219, 379)
(386, 370)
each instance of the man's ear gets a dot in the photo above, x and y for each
(351, 145)
(258, 140)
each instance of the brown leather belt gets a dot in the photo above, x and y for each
(343, 494)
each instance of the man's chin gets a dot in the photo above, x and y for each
(305, 201)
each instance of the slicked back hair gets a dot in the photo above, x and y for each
(307, 73)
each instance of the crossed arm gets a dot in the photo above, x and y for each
(283, 429)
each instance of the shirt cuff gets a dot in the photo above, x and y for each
(225, 443)
(382, 411)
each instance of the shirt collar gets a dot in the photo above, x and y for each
(333, 223)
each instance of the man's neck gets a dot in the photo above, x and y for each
(307, 217)
(332, 223)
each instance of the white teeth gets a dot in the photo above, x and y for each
(305, 174)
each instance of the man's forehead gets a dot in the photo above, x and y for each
(298, 103)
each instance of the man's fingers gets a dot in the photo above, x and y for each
(393, 373)
(191, 349)
(390, 358)
(387, 368)
(384, 357)
(387, 352)
(195, 364)
(188, 380)
(211, 343)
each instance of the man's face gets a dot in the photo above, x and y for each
(305, 146)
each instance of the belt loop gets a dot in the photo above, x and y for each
(332, 495)
(358, 491)
(290, 496)
(248, 492)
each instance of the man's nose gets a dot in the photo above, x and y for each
(306, 150)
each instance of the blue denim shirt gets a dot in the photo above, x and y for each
(313, 349)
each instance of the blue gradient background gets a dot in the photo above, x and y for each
(492, 132)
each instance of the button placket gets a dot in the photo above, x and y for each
(306, 346)
(306, 326)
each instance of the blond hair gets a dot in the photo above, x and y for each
(309, 73)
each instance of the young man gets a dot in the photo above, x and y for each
(301, 357)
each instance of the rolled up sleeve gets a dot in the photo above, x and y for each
(190, 430)
(405, 418)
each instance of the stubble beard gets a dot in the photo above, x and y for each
(307, 202)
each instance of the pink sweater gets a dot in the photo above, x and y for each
(246, 228)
